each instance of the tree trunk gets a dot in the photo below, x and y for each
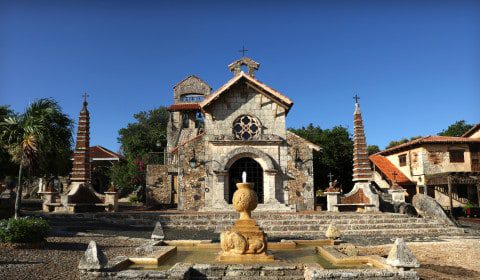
(18, 198)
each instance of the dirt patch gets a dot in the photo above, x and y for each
(450, 259)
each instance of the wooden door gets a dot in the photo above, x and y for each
(175, 189)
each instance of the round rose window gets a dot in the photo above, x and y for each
(246, 128)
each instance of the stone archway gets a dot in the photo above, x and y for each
(254, 175)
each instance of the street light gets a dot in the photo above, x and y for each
(193, 161)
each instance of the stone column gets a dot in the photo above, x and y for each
(332, 199)
(218, 200)
(111, 199)
(269, 187)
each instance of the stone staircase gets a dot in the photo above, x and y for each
(278, 225)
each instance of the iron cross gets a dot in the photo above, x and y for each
(330, 176)
(243, 51)
(356, 97)
(85, 95)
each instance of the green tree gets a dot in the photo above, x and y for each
(40, 132)
(394, 143)
(336, 156)
(373, 149)
(457, 129)
(8, 166)
(147, 135)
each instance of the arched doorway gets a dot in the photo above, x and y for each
(254, 175)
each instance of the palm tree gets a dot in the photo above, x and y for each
(43, 129)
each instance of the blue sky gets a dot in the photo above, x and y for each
(415, 64)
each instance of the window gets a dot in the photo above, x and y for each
(456, 156)
(246, 128)
(189, 98)
(185, 120)
(402, 159)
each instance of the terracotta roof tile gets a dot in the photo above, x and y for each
(388, 168)
(184, 107)
(430, 140)
(101, 152)
(472, 130)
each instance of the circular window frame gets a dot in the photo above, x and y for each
(242, 128)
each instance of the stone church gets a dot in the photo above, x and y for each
(214, 137)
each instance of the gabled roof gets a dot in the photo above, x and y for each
(472, 130)
(102, 153)
(279, 98)
(430, 140)
(388, 169)
(310, 144)
(190, 77)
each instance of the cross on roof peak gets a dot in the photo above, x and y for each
(85, 95)
(356, 97)
(243, 51)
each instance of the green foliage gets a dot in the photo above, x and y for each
(23, 230)
(39, 139)
(373, 149)
(401, 141)
(126, 176)
(336, 156)
(141, 137)
(9, 168)
(456, 129)
(138, 140)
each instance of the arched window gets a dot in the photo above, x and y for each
(246, 128)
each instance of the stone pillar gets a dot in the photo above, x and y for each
(333, 198)
(218, 200)
(111, 199)
(48, 197)
(269, 188)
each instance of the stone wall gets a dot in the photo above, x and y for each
(300, 186)
(192, 180)
(241, 100)
(159, 187)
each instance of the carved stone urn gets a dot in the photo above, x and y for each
(245, 200)
(245, 241)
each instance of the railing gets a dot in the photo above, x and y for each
(444, 190)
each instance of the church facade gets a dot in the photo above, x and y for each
(214, 137)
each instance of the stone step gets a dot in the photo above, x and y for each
(374, 232)
(301, 222)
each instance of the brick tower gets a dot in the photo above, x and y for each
(81, 173)
(361, 165)
(363, 193)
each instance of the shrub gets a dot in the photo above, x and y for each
(23, 230)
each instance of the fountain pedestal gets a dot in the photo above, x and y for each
(245, 241)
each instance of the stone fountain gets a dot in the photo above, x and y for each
(245, 241)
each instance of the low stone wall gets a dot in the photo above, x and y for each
(256, 271)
